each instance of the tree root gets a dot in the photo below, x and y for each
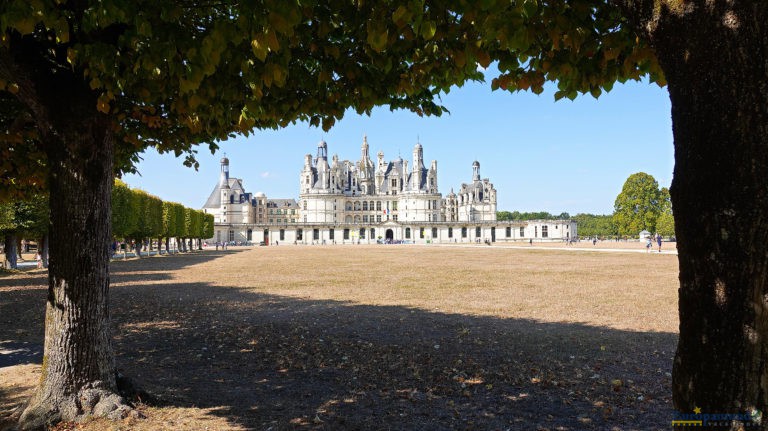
(92, 401)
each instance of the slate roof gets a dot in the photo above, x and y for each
(214, 200)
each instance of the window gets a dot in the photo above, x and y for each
(373, 233)
(378, 218)
(394, 217)
(394, 206)
(346, 233)
(477, 232)
(316, 234)
(330, 234)
(362, 233)
(365, 205)
(365, 219)
(544, 231)
(378, 206)
(279, 212)
(249, 235)
(509, 231)
(464, 232)
(434, 232)
(231, 235)
(305, 205)
(522, 231)
(271, 220)
(407, 233)
(282, 234)
(421, 232)
(300, 235)
(536, 231)
(271, 211)
(450, 232)
(394, 183)
(370, 205)
(357, 206)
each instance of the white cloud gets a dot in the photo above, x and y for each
(265, 174)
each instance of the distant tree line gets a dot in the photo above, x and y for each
(137, 218)
(641, 205)
(541, 215)
(140, 217)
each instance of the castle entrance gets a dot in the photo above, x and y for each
(389, 235)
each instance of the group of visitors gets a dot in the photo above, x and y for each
(649, 240)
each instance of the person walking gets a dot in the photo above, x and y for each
(658, 241)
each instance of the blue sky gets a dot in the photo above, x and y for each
(541, 155)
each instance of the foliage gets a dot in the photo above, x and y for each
(148, 211)
(138, 214)
(123, 218)
(208, 221)
(665, 224)
(591, 225)
(27, 218)
(540, 215)
(638, 205)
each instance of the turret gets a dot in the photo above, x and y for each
(224, 176)
(322, 151)
(418, 166)
(475, 171)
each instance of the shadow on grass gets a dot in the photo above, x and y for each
(264, 361)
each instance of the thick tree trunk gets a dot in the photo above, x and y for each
(10, 251)
(714, 58)
(78, 372)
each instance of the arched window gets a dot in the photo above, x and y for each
(349, 206)
(365, 206)
(378, 206)
(357, 206)
(407, 233)
(370, 205)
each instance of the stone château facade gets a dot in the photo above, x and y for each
(342, 201)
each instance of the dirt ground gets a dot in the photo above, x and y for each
(377, 337)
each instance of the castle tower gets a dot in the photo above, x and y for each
(418, 167)
(475, 171)
(224, 176)
(365, 167)
(224, 189)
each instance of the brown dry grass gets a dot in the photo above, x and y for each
(383, 337)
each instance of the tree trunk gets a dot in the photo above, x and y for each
(167, 245)
(714, 60)
(78, 371)
(10, 251)
(42, 248)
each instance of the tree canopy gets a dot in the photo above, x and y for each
(638, 205)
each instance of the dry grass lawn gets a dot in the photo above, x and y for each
(378, 337)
